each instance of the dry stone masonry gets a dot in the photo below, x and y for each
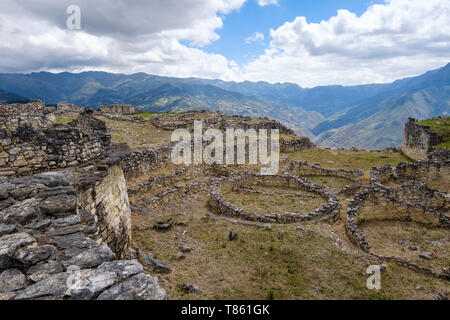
(418, 140)
(121, 109)
(305, 169)
(329, 211)
(29, 144)
(50, 247)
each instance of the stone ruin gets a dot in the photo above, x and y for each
(304, 169)
(30, 144)
(218, 203)
(65, 107)
(119, 109)
(418, 140)
(63, 233)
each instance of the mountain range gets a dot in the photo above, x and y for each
(368, 116)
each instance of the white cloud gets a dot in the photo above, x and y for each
(115, 35)
(256, 37)
(263, 3)
(389, 41)
(397, 39)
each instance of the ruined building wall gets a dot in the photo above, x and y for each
(118, 109)
(28, 144)
(418, 141)
(106, 200)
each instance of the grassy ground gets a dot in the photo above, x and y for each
(65, 119)
(335, 184)
(440, 125)
(137, 135)
(349, 159)
(280, 263)
(282, 200)
(394, 237)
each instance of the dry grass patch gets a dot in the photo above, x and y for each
(136, 134)
(397, 238)
(349, 159)
(280, 263)
(275, 200)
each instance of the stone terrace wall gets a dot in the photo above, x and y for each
(144, 160)
(418, 140)
(46, 238)
(29, 149)
(118, 109)
(33, 114)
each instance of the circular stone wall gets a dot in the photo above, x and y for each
(329, 211)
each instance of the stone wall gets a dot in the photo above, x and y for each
(65, 107)
(145, 160)
(328, 211)
(51, 247)
(304, 169)
(412, 202)
(124, 109)
(106, 200)
(418, 140)
(434, 173)
(32, 114)
(33, 146)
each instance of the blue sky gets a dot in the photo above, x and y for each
(313, 42)
(252, 18)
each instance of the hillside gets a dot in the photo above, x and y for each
(369, 116)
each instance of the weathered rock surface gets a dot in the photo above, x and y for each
(154, 264)
(12, 280)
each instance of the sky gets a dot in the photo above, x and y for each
(308, 42)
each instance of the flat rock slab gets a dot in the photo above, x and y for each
(154, 264)
(8, 246)
(55, 286)
(91, 257)
(139, 287)
(92, 283)
(12, 280)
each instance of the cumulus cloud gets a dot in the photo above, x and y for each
(388, 41)
(263, 3)
(115, 35)
(256, 37)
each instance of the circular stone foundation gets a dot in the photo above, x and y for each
(248, 181)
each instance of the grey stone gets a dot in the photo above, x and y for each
(78, 240)
(91, 257)
(55, 286)
(42, 271)
(439, 296)
(154, 264)
(30, 256)
(61, 205)
(426, 255)
(185, 249)
(6, 229)
(66, 222)
(139, 287)
(12, 280)
(8, 246)
(96, 281)
(39, 225)
(190, 288)
(22, 212)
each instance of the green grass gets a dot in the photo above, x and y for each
(440, 125)
(349, 159)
